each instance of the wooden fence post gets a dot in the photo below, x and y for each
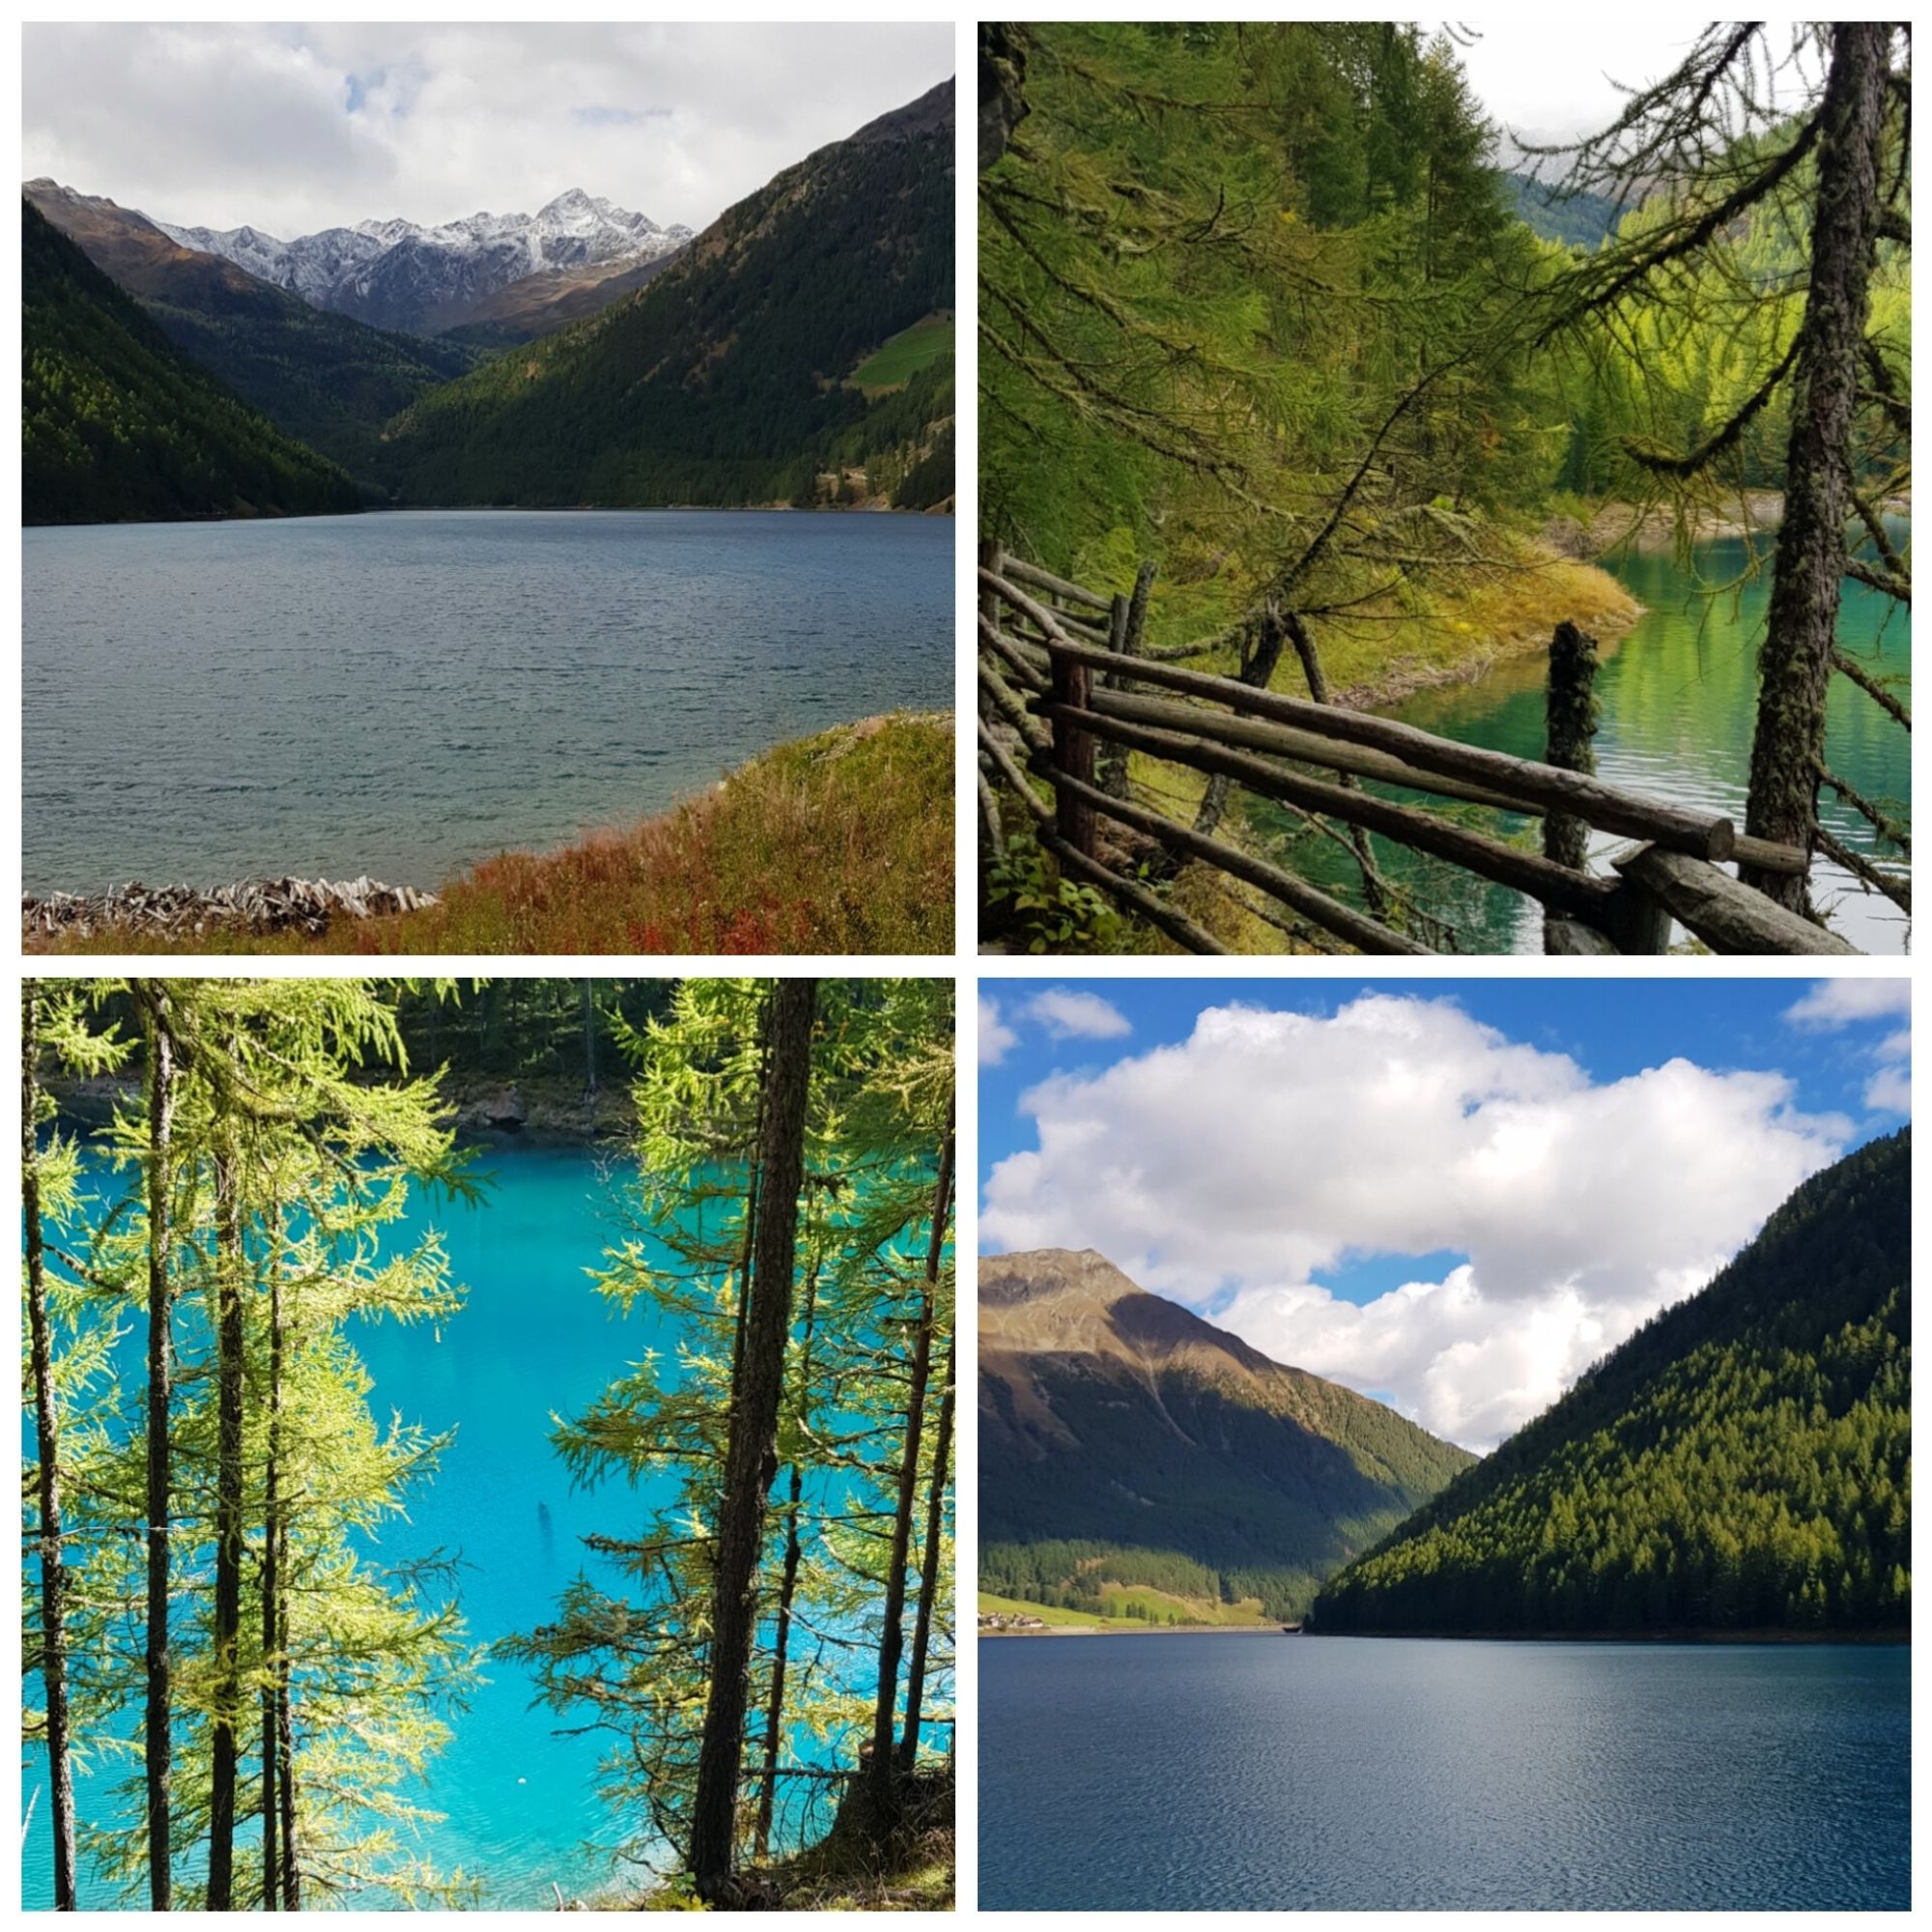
(1113, 754)
(1570, 713)
(1570, 724)
(1072, 754)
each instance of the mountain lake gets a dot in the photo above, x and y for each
(517, 1796)
(404, 693)
(1239, 1772)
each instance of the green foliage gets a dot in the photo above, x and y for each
(1214, 261)
(283, 1142)
(1741, 1463)
(627, 1649)
(723, 380)
(119, 427)
(1048, 913)
(328, 380)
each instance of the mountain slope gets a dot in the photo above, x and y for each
(1125, 1440)
(1740, 1463)
(722, 381)
(1580, 220)
(117, 426)
(540, 303)
(329, 380)
(401, 275)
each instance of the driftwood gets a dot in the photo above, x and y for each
(181, 912)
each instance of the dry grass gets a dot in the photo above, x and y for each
(837, 843)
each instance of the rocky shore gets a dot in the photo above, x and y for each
(186, 912)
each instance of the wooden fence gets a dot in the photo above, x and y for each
(1067, 692)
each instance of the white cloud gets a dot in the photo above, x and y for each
(1832, 1004)
(296, 128)
(1235, 1169)
(997, 1039)
(1889, 1091)
(1069, 1016)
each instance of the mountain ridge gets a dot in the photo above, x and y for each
(118, 425)
(1124, 1439)
(1741, 1463)
(423, 279)
(323, 378)
(722, 381)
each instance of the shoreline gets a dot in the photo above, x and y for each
(316, 905)
(944, 509)
(836, 842)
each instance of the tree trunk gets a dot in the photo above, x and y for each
(928, 1576)
(1795, 666)
(271, 1584)
(158, 1740)
(589, 1043)
(750, 1456)
(768, 1790)
(285, 1729)
(46, 1429)
(227, 1532)
(891, 1628)
(1258, 673)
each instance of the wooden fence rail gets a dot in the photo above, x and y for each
(1070, 688)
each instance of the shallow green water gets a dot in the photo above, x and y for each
(1678, 697)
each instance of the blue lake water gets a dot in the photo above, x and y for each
(403, 694)
(533, 1338)
(1175, 1772)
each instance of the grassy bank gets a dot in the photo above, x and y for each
(1384, 651)
(1160, 1610)
(837, 843)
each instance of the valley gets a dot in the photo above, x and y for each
(799, 352)
(1582, 1543)
(481, 540)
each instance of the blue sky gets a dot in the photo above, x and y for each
(1453, 1195)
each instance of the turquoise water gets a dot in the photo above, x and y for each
(404, 695)
(1679, 698)
(533, 1339)
(1289, 1773)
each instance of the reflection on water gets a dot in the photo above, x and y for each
(1231, 1773)
(1678, 697)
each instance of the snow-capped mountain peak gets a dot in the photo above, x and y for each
(398, 273)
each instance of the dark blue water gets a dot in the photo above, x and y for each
(1171, 1772)
(533, 1338)
(405, 694)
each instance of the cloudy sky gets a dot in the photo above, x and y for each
(1453, 1201)
(292, 129)
(1551, 92)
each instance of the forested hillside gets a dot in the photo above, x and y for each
(1125, 1443)
(118, 426)
(328, 380)
(1741, 1463)
(723, 382)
